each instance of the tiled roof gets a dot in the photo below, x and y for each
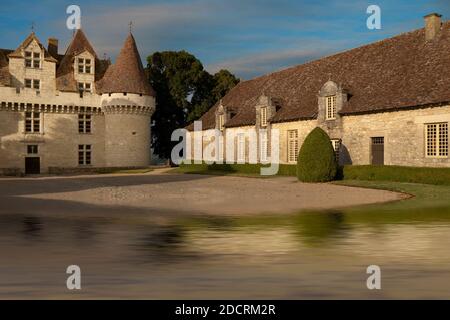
(65, 80)
(400, 72)
(18, 52)
(5, 77)
(127, 74)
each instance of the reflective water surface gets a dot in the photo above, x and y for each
(308, 255)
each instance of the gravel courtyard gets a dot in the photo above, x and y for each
(170, 193)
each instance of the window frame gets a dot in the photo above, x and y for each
(85, 87)
(263, 116)
(241, 148)
(32, 149)
(221, 123)
(84, 65)
(32, 83)
(330, 107)
(31, 59)
(437, 151)
(32, 121)
(84, 155)
(85, 123)
(292, 139)
(263, 147)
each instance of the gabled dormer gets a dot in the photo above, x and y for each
(331, 99)
(77, 70)
(223, 114)
(266, 108)
(31, 67)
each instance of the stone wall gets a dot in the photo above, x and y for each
(57, 142)
(403, 132)
(303, 127)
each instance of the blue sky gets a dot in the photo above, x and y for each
(248, 37)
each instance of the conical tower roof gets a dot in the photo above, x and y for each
(127, 74)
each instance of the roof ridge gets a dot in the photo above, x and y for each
(378, 42)
(393, 73)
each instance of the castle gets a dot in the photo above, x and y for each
(386, 103)
(73, 111)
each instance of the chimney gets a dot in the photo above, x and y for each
(432, 25)
(53, 47)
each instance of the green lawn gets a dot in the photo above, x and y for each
(429, 202)
(434, 176)
(128, 171)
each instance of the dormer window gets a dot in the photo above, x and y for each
(221, 121)
(263, 116)
(84, 65)
(330, 107)
(32, 59)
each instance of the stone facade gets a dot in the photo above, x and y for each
(119, 123)
(404, 134)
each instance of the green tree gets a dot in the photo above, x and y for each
(184, 92)
(316, 160)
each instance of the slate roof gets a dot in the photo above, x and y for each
(396, 73)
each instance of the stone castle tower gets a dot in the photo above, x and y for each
(128, 103)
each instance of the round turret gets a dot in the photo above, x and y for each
(128, 102)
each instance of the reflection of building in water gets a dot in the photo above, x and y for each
(251, 242)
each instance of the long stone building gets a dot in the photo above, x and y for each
(73, 111)
(383, 103)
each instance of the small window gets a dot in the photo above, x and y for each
(292, 146)
(32, 149)
(32, 122)
(241, 148)
(84, 155)
(264, 148)
(33, 83)
(36, 60)
(87, 66)
(330, 108)
(32, 59)
(221, 122)
(28, 59)
(84, 123)
(263, 117)
(84, 87)
(436, 140)
(84, 65)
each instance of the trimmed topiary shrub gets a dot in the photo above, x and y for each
(317, 160)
